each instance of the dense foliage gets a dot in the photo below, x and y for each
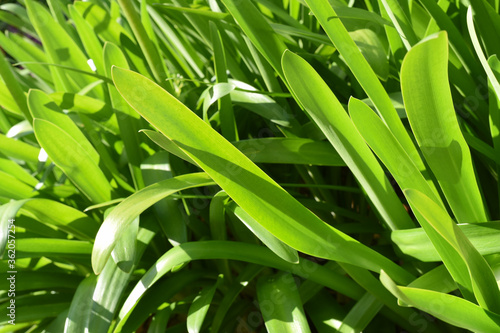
(250, 166)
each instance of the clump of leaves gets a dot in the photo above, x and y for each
(250, 166)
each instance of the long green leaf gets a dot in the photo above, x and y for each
(448, 308)
(312, 92)
(235, 251)
(253, 190)
(427, 97)
(125, 213)
(74, 160)
(338, 34)
(483, 281)
(416, 244)
(280, 304)
(199, 308)
(282, 250)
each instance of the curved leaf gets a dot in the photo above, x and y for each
(128, 210)
(253, 190)
(74, 160)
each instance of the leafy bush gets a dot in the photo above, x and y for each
(250, 165)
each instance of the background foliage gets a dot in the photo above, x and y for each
(250, 165)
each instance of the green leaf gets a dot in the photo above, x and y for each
(14, 88)
(199, 308)
(8, 212)
(18, 149)
(255, 26)
(280, 304)
(338, 34)
(114, 226)
(387, 148)
(77, 319)
(63, 217)
(484, 284)
(60, 48)
(128, 119)
(372, 49)
(451, 309)
(312, 92)
(51, 247)
(74, 160)
(361, 314)
(44, 108)
(226, 114)
(253, 190)
(151, 53)
(284, 251)
(235, 251)
(268, 150)
(427, 97)
(416, 244)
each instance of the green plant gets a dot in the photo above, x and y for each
(250, 165)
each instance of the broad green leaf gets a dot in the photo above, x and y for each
(451, 309)
(253, 190)
(427, 97)
(373, 51)
(63, 217)
(47, 247)
(44, 108)
(127, 118)
(282, 250)
(280, 304)
(437, 279)
(457, 41)
(388, 149)
(7, 102)
(11, 167)
(199, 308)
(408, 176)
(77, 319)
(289, 150)
(80, 103)
(484, 284)
(105, 303)
(18, 149)
(124, 253)
(13, 188)
(416, 244)
(74, 160)
(128, 210)
(312, 92)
